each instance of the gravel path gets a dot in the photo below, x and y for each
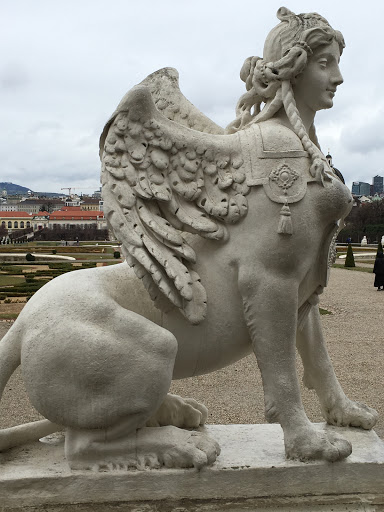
(354, 333)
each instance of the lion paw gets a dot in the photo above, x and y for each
(148, 448)
(179, 412)
(310, 444)
(194, 450)
(351, 414)
(175, 448)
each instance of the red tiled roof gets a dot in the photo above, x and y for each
(75, 215)
(71, 208)
(15, 214)
(41, 214)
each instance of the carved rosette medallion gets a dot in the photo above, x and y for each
(284, 177)
(285, 185)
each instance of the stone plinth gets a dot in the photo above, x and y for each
(251, 473)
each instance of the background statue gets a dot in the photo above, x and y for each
(230, 234)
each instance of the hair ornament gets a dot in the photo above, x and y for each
(305, 46)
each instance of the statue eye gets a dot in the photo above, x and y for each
(323, 63)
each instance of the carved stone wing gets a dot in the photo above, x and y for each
(161, 179)
(169, 100)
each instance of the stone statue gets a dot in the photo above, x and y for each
(229, 232)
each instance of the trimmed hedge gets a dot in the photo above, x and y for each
(12, 271)
(349, 260)
(31, 285)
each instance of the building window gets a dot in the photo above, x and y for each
(3, 224)
(9, 224)
(21, 224)
(28, 224)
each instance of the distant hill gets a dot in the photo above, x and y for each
(48, 194)
(12, 188)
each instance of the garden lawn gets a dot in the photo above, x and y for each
(6, 280)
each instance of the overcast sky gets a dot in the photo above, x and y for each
(66, 64)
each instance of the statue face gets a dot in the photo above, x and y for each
(315, 87)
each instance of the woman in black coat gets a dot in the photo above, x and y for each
(378, 270)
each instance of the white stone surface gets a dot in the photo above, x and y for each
(251, 466)
(262, 205)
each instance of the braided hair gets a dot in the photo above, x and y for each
(269, 80)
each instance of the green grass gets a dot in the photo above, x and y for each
(358, 269)
(8, 316)
(6, 280)
(371, 262)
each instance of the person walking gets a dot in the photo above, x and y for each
(378, 270)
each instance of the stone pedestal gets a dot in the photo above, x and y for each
(250, 474)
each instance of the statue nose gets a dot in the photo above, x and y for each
(338, 77)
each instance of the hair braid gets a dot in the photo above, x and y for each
(317, 166)
(271, 108)
(313, 136)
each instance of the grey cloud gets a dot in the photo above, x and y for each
(13, 77)
(367, 136)
(75, 60)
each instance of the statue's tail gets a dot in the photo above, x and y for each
(10, 358)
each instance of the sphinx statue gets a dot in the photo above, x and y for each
(229, 232)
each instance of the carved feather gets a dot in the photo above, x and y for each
(124, 226)
(161, 178)
(213, 200)
(173, 267)
(190, 216)
(156, 273)
(196, 310)
(158, 224)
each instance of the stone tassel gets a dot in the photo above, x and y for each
(285, 222)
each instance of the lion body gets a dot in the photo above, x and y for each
(96, 353)
(103, 305)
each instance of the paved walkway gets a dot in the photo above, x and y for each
(234, 395)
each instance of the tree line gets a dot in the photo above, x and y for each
(364, 220)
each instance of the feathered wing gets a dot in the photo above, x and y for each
(161, 179)
(164, 88)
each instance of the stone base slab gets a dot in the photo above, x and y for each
(250, 474)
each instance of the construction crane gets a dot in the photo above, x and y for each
(74, 188)
(69, 190)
